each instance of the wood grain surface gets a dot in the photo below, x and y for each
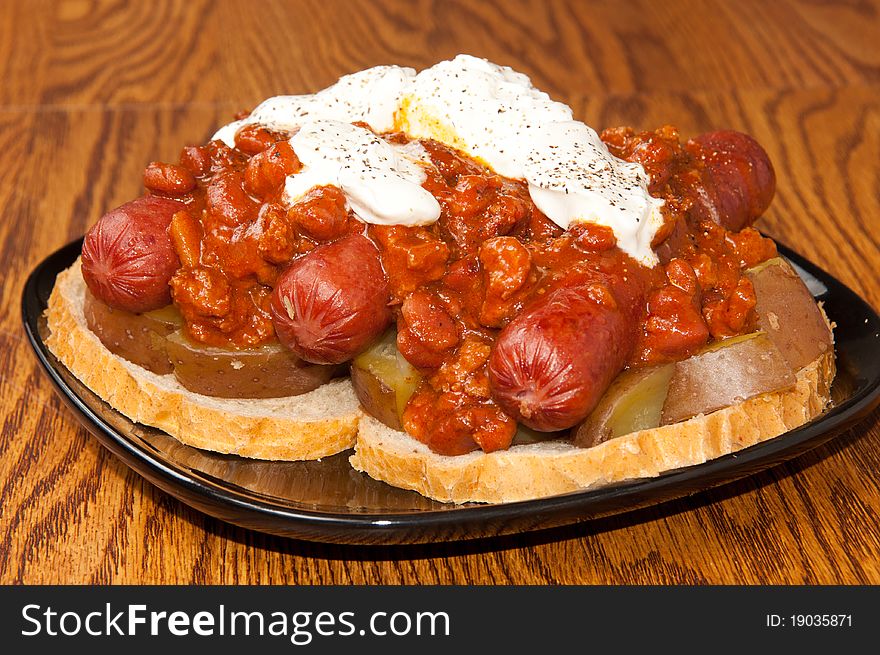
(91, 91)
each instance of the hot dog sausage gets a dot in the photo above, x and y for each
(552, 363)
(738, 178)
(332, 302)
(128, 258)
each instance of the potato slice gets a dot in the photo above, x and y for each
(724, 374)
(139, 338)
(633, 402)
(377, 398)
(384, 381)
(792, 334)
(788, 314)
(270, 371)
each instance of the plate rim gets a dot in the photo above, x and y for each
(309, 523)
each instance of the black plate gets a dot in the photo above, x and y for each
(328, 501)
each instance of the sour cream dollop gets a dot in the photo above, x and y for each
(490, 112)
(381, 181)
(371, 96)
(572, 177)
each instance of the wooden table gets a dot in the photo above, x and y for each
(92, 91)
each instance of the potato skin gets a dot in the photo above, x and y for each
(128, 258)
(552, 363)
(268, 371)
(725, 374)
(377, 399)
(788, 313)
(139, 338)
(332, 302)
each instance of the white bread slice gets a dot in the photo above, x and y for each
(329, 420)
(310, 426)
(545, 469)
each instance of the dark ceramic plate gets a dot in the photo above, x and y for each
(328, 501)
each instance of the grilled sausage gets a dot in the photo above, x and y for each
(738, 178)
(332, 302)
(128, 258)
(552, 363)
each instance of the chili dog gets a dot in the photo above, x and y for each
(547, 369)
(484, 266)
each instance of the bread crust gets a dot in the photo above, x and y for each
(546, 469)
(310, 426)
